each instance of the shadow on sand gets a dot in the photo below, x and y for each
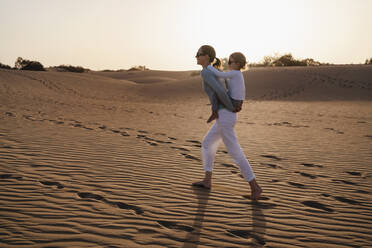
(259, 225)
(192, 240)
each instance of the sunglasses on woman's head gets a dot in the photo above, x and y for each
(199, 54)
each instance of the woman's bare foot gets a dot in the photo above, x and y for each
(256, 193)
(202, 184)
(256, 190)
(207, 181)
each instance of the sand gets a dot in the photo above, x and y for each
(106, 159)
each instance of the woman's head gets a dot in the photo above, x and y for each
(237, 61)
(205, 55)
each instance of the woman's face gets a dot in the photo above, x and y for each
(201, 58)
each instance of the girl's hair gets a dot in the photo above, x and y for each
(208, 50)
(240, 59)
(217, 63)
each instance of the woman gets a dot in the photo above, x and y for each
(223, 129)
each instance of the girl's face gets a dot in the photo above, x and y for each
(233, 65)
(201, 58)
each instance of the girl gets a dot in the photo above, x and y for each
(223, 128)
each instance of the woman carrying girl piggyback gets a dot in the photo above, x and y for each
(224, 108)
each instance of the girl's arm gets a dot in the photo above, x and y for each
(221, 74)
(211, 81)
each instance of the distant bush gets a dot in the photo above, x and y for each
(70, 68)
(24, 64)
(285, 60)
(368, 61)
(2, 66)
(139, 68)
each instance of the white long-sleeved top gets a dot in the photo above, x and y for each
(235, 83)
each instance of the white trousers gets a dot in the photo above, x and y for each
(223, 129)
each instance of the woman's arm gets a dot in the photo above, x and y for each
(211, 81)
(221, 74)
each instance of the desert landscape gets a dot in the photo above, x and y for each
(106, 159)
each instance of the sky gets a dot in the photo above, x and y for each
(166, 34)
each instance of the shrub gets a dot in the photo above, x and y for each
(368, 61)
(2, 66)
(70, 68)
(285, 60)
(24, 64)
(139, 68)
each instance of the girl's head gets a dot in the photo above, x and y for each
(205, 55)
(217, 64)
(237, 61)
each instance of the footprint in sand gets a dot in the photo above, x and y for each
(362, 191)
(312, 165)
(274, 166)
(9, 176)
(247, 234)
(194, 141)
(87, 195)
(346, 200)
(121, 205)
(298, 185)
(151, 143)
(163, 142)
(332, 129)
(51, 183)
(317, 205)
(180, 148)
(188, 156)
(126, 206)
(306, 175)
(354, 173)
(271, 156)
(229, 165)
(344, 181)
(174, 225)
(125, 134)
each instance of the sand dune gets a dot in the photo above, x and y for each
(106, 159)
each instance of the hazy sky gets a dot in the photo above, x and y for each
(165, 34)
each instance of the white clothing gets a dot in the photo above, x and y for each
(235, 83)
(223, 129)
